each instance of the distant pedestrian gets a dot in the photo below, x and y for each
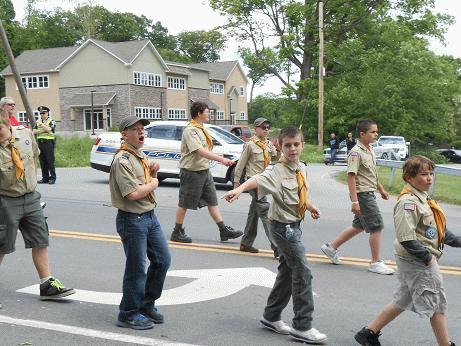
(420, 234)
(196, 189)
(334, 147)
(256, 156)
(286, 182)
(132, 183)
(20, 204)
(45, 130)
(7, 104)
(350, 142)
(363, 181)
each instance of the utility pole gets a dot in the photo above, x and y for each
(320, 125)
(17, 76)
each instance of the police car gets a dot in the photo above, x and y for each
(163, 143)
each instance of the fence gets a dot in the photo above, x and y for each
(394, 165)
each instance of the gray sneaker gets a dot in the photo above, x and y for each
(331, 253)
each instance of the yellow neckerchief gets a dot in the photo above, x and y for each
(145, 165)
(439, 216)
(16, 158)
(209, 139)
(302, 190)
(263, 146)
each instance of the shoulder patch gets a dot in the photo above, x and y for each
(409, 206)
(125, 161)
(354, 153)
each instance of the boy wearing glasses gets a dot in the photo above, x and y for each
(256, 156)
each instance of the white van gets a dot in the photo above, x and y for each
(398, 145)
(163, 143)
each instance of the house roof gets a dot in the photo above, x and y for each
(51, 59)
(178, 68)
(210, 104)
(218, 70)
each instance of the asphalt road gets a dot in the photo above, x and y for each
(207, 301)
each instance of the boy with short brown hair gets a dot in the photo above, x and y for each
(420, 228)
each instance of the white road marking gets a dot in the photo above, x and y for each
(88, 332)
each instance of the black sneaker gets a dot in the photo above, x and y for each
(52, 182)
(54, 289)
(228, 232)
(138, 322)
(180, 236)
(154, 315)
(43, 181)
(451, 342)
(367, 337)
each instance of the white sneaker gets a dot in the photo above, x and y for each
(311, 336)
(381, 268)
(277, 326)
(331, 253)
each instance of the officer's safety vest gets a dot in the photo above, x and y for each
(47, 135)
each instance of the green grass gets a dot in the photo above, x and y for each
(447, 187)
(311, 154)
(73, 151)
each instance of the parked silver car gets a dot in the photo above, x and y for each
(381, 152)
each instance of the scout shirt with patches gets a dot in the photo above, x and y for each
(362, 162)
(414, 220)
(280, 182)
(252, 160)
(126, 175)
(28, 151)
(193, 139)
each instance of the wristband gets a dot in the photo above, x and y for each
(355, 202)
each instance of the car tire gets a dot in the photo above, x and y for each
(384, 156)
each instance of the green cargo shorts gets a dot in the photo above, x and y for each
(370, 218)
(196, 189)
(26, 214)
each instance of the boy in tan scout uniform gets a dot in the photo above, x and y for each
(132, 183)
(197, 188)
(362, 180)
(20, 204)
(256, 156)
(286, 182)
(420, 235)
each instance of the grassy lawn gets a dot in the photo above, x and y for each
(447, 187)
(311, 154)
(73, 151)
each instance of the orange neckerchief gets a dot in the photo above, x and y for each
(145, 165)
(16, 158)
(439, 216)
(302, 190)
(209, 139)
(263, 146)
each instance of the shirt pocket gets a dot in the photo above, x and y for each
(7, 174)
(428, 219)
(258, 155)
(290, 191)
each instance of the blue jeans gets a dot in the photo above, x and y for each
(142, 236)
(333, 155)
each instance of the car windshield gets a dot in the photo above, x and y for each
(391, 140)
(225, 136)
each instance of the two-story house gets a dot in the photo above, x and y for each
(92, 86)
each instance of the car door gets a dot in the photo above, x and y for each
(163, 144)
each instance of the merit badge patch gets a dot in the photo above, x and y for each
(430, 232)
(409, 206)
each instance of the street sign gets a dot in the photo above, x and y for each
(209, 284)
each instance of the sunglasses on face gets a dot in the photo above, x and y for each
(265, 127)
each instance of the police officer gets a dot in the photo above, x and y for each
(45, 131)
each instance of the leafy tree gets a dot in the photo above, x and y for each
(201, 46)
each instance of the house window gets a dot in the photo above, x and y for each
(35, 82)
(217, 88)
(97, 122)
(176, 114)
(22, 117)
(242, 116)
(219, 115)
(148, 112)
(176, 83)
(211, 114)
(242, 91)
(148, 79)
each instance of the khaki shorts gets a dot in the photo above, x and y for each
(420, 288)
(196, 189)
(370, 218)
(26, 214)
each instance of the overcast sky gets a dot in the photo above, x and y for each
(189, 15)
